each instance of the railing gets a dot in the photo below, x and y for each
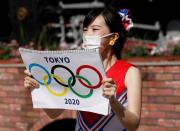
(75, 26)
(86, 5)
(155, 27)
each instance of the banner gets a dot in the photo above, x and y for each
(69, 79)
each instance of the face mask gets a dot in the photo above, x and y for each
(92, 41)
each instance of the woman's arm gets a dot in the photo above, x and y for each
(130, 116)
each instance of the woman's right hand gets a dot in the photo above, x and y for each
(29, 82)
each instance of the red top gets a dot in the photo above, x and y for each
(117, 72)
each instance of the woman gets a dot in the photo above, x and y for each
(123, 83)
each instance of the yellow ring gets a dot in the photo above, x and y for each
(52, 92)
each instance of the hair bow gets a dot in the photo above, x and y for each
(126, 18)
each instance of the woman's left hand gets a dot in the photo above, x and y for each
(109, 88)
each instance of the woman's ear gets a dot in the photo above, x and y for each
(116, 36)
(113, 39)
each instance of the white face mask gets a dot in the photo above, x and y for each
(93, 41)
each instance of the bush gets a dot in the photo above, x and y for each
(175, 50)
(5, 52)
(133, 49)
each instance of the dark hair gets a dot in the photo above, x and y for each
(113, 21)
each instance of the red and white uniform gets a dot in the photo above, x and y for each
(87, 121)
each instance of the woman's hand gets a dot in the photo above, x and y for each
(109, 88)
(29, 82)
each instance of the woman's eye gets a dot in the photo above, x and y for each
(84, 29)
(95, 29)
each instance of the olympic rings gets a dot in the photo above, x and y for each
(49, 76)
(71, 80)
(82, 96)
(66, 85)
(90, 67)
(52, 92)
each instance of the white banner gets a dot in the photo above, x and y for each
(69, 79)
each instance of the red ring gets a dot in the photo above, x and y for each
(93, 68)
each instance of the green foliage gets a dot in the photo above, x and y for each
(140, 51)
(5, 52)
(175, 50)
(134, 51)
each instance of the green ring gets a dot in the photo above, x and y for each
(81, 96)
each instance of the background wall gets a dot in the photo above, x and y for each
(160, 109)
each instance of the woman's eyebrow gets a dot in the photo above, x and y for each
(96, 26)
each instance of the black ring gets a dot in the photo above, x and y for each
(62, 66)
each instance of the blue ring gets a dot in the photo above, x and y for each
(49, 75)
